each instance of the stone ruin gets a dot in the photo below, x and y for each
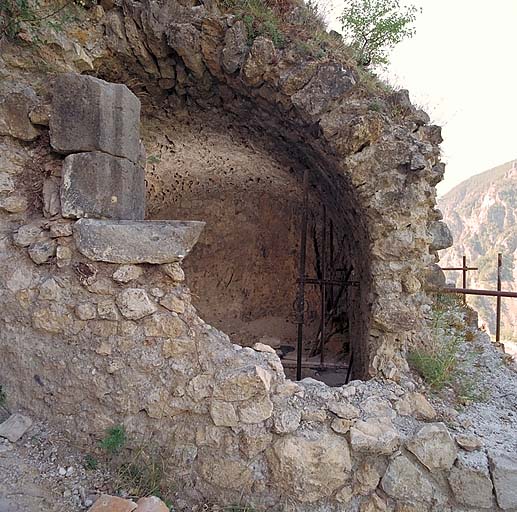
(100, 328)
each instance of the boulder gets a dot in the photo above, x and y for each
(286, 419)
(127, 273)
(441, 237)
(41, 251)
(405, 480)
(235, 47)
(470, 480)
(503, 467)
(89, 114)
(14, 427)
(151, 504)
(134, 303)
(136, 242)
(112, 504)
(242, 383)
(223, 414)
(14, 114)
(375, 436)
(310, 468)
(434, 447)
(99, 185)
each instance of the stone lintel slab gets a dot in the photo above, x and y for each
(89, 114)
(99, 185)
(148, 241)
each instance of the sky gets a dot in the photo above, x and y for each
(461, 68)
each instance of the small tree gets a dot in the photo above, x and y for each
(374, 27)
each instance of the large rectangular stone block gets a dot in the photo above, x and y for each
(89, 114)
(102, 186)
(148, 241)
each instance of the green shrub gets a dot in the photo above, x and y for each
(114, 440)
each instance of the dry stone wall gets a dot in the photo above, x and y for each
(98, 328)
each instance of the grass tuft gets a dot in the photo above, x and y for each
(114, 440)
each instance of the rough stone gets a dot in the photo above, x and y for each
(368, 475)
(503, 467)
(136, 242)
(107, 310)
(151, 504)
(14, 204)
(41, 251)
(405, 480)
(261, 55)
(223, 413)
(14, 427)
(89, 114)
(434, 447)
(27, 234)
(134, 303)
(343, 410)
(242, 383)
(173, 303)
(468, 442)
(184, 38)
(113, 504)
(127, 273)
(286, 420)
(440, 235)
(60, 229)
(415, 404)
(14, 114)
(164, 325)
(99, 185)
(256, 410)
(309, 469)
(235, 47)
(470, 480)
(376, 436)
(51, 201)
(174, 271)
(340, 425)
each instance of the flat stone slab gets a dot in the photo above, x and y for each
(148, 241)
(102, 186)
(14, 427)
(89, 114)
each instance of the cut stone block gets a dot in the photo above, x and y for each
(103, 186)
(14, 427)
(150, 241)
(89, 114)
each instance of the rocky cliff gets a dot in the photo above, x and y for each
(481, 213)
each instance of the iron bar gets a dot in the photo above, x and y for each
(333, 282)
(498, 303)
(487, 293)
(464, 276)
(460, 268)
(314, 365)
(323, 286)
(301, 273)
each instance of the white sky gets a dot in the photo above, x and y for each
(461, 68)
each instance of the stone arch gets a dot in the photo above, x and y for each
(384, 159)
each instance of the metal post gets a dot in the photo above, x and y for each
(323, 286)
(498, 306)
(464, 272)
(301, 274)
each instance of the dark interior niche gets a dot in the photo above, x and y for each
(247, 185)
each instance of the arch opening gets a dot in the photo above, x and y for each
(247, 185)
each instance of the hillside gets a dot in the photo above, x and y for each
(481, 213)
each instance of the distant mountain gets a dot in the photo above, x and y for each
(482, 215)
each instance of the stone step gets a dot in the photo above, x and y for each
(125, 241)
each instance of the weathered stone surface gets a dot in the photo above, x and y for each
(404, 480)
(343, 410)
(127, 273)
(61, 229)
(340, 425)
(235, 47)
(174, 271)
(134, 303)
(163, 324)
(85, 311)
(14, 203)
(503, 467)
(227, 473)
(242, 383)
(417, 405)
(469, 442)
(261, 55)
(256, 410)
(14, 114)
(368, 475)
(470, 480)
(27, 234)
(434, 277)
(223, 413)
(151, 504)
(89, 114)
(309, 469)
(184, 38)
(14, 427)
(376, 436)
(51, 201)
(112, 504)
(434, 447)
(286, 420)
(441, 236)
(330, 83)
(41, 251)
(99, 185)
(136, 242)
(173, 303)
